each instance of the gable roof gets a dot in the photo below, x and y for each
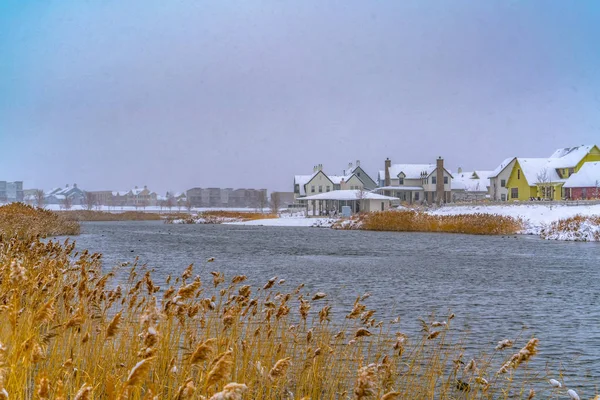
(411, 171)
(501, 167)
(472, 181)
(568, 157)
(587, 176)
(533, 167)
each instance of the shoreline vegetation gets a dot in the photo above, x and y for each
(23, 221)
(91, 215)
(420, 221)
(82, 336)
(219, 217)
(71, 331)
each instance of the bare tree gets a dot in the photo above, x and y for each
(262, 200)
(361, 196)
(170, 202)
(188, 205)
(544, 184)
(67, 202)
(275, 202)
(90, 200)
(40, 198)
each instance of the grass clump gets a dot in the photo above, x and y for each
(419, 221)
(218, 217)
(70, 331)
(90, 215)
(579, 228)
(24, 221)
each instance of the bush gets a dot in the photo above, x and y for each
(23, 221)
(419, 221)
(90, 215)
(578, 228)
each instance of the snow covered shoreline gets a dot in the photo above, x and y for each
(536, 218)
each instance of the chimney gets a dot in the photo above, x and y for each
(459, 170)
(67, 185)
(75, 185)
(388, 165)
(439, 186)
(358, 163)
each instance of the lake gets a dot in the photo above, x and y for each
(498, 287)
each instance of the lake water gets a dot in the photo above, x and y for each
(498, 287)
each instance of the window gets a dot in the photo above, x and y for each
(514, 193)
(400, 181)
(503, 197)
(433, 180)
(416, 196)
(312, 189)
(296, 188)
(382, 206)
(320, 188)
(503, 182)
(358, 173)
(328, 188)
(518, 174)
(445, 180)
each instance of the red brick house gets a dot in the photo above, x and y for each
(585, 184)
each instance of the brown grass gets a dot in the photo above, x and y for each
(573, 228)
(23, 221)
(90, 215)
(417, 221)
(69, 331)
(240, 215)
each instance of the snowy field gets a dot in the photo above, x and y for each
(535, 216)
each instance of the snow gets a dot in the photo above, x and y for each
(535, 216)
(587, 176)
(533, 167)
(586, 231)
(411, 171)
(398, 188)
(302, 180)
(475, 181)
(345, 195)
(569, 157)
(501, 167)
(290, 222)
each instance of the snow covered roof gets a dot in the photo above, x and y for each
(398, 188)
(120, 193)
(501, 167)
(473, 181)
(348, 195)
(302, 180)
(569, 157)
(337, 179)
(411, 171)
(533, 167)
(587, 176)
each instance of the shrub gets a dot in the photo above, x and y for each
(24, 221)
(578, 228)
(89, 215)
(419, 221)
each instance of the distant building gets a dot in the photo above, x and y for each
(11, 191)
(141, 197)
(286, 199)
(217, 197)
(102, 197)
(471, 185)
(75, 195)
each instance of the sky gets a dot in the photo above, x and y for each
(110, 94)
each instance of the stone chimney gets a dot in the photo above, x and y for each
(388, 165)
(439, 186)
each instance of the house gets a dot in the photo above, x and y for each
(498, 190)
(141, 197)
(353, 178)
(102, 197)
(358, 201)
(543, 178)
(414, 183)
(118, 199)
(73, 194)
(471, 185)
(585, 184)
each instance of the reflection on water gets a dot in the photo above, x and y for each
(499, 287)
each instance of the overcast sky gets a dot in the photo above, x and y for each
(176, 94)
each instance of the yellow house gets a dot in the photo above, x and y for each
(544, 178)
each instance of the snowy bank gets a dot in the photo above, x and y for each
(536, 217)
(291, 221)
(577, 229)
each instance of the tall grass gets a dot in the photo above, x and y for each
(24, 221)
(69, 331)
(577, 228)
(418, 221)
(91, 215)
